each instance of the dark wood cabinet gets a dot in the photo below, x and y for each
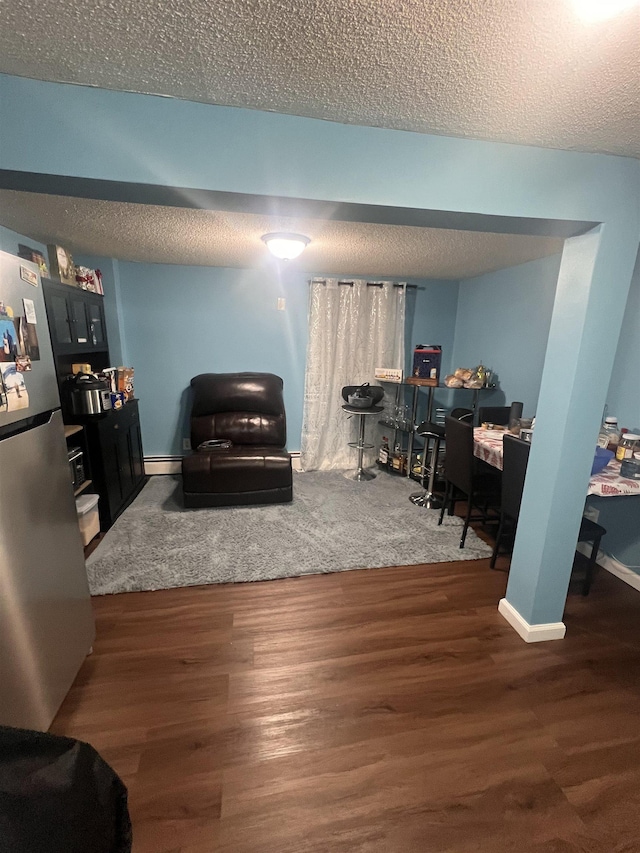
(113, 440)
(115, 446)
(76, 319)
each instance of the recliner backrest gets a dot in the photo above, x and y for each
(246, 408)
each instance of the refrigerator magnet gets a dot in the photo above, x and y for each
(30, 311)
(28, 275)
(9, 347)
(28, 333)
(14, 384)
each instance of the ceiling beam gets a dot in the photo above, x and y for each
(198, 199)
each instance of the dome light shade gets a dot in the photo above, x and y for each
(286, 246)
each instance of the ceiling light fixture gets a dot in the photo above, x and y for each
(286, 246)
(599, 10)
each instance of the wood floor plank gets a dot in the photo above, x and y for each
(377, 711)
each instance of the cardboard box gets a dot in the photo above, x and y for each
(426, 361)
(125, 381)
(388, 374)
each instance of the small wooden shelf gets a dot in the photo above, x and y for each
(82, 487)
(421, 383)
(72, 429)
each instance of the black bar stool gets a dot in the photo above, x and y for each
(360, 445)
(432, 434)
(376, 393)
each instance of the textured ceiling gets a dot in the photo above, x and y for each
(527, 71)
(174, 235)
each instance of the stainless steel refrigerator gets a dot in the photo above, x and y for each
(46, 622)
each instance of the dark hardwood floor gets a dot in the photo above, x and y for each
(377, 711)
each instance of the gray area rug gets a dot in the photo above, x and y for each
(333, 525)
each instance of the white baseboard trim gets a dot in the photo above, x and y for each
(162, 465)
(173, 464)
(530, 633)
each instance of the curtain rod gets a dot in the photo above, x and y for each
(369, 283)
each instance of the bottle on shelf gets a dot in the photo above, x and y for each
(398, 459)
(609, 435)
(399, 462)
(383, 451)
(481, 375)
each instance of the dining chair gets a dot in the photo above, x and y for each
(464, 476)
(499, 415)
(515, 456)
(590, 532)
(462, 415)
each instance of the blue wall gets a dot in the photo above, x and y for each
(623, 398)
(10, 240)
(619, 516)
(142, 139)
(431, 319)
(503, 319)
(503, 322)
(179, 321)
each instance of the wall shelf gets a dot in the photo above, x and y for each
(82, 487)
(72, 429)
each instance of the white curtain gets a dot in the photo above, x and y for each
(353, 328)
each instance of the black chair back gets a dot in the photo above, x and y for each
(500, 415)
(458, 461)
(515, 456)
(433, 428)
(462, 415)
(494, 415)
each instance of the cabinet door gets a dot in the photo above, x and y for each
(95, 313)
(80, 324)
(135, 451)
(127, 483)
(61, 321)
(111, 456)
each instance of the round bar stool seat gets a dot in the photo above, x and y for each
(431, 433)
(361, 473)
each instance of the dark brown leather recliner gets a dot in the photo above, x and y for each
(247, 409)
